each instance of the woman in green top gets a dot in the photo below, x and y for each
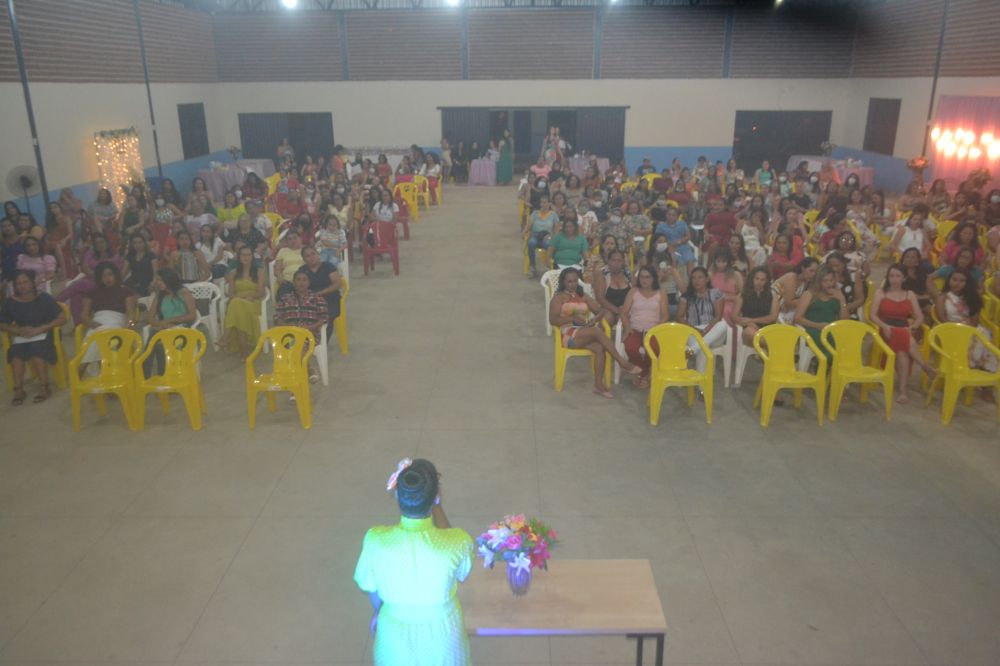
(820, 305)
(505, 165)
(568, 247)
(411, 572)
(173, 306)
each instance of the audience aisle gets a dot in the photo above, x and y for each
(857, 543)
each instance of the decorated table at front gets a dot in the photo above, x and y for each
(572, 598)
(483, 171)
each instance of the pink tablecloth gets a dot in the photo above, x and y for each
(483, 172)
(578, 165)
(220, 182)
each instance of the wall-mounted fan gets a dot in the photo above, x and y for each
(23, 179)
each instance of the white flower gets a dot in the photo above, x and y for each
(521, 562)
(487, 556)
(498, 536)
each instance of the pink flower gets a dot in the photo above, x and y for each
(513, 543)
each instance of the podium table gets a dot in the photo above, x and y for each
(572, 598)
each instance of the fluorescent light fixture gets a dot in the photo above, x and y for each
(290, 4)
(453, 3)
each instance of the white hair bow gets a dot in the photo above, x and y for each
(400, 468)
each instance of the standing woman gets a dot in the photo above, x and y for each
(505, 165)
(411, 572)
(645, 306)
(29, 317)
(898, 316)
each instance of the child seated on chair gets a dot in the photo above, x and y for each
(330, 239)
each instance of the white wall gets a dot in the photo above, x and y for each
(68, 114)
(681, 112)
(669, 113)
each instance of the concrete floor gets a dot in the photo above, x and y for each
(860, 542)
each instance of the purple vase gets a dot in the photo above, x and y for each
(519, 580)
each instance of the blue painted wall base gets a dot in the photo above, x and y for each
(181, 172)
(891, 173)
(662, 156)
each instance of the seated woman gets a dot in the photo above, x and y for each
(538, 232)
(213, 250)
(103, 212)
(612, 284)
(963, 261)
(672, 278)
(324, 280)
(432, 170)
(385, 209)
(189, 263)
(173, 306)
(912, 234)
(109, 305)
(43, 266)
(962, 304)
(596, 261)
(254, 189)
(578, 317)
(201, 195)
(247, 283)
(29, 317)
(851, 286)
(417, 563)
(915, 280)
(964, 236)
(568, 247)
(287, 261)
(738, 253)
(790, 287)
(140, 266)
(301, 307)
(752, 231)
(897, 314)
(821, 304)
(98, 252)
(701, 308)
(133, 218)
(783, 257)
(645, 307)
(230, 211)
(846, 245)
(728, 280)
(246, 234)
(757, 305)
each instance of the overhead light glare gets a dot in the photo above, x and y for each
(290, 4)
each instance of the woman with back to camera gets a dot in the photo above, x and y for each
(411, 573)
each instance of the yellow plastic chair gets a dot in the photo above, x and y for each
(629, 186)
(291, 347)
(340, 323)
(844, 340)
(182, 350)
(951, 342)
(866, 307)
(781, 341)
(563, 354)
(670, 367)
(58, 372)
(422, 192)
(408, 193)
(119, 348)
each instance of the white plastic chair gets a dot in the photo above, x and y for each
(549, 280)
(725, 352)
(743, 354)
(322, 358)
(207, 291)
(344, 265)
(620, 346)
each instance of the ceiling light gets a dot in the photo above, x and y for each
(290, 4)
(453, 3)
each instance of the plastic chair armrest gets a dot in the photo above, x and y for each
(883, 345)
(815, 348)
(990, 347)
(824, 338)
(756, 345)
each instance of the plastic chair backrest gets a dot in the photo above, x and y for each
(781, 341)
(206, 291)
(385, 235)
(182, 349)
(844, 339)
(291, 347)
(672, 339)
(407, 190)
(118, 348)
(952, 341)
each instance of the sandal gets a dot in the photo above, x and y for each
(19, 397)
(43, 395)
(604, 394)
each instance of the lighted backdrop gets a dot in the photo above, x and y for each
(965, 136)
(119, 161)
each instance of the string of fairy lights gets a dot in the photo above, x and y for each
(119, 161)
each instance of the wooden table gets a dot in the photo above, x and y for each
(572, 598)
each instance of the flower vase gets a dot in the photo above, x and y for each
(519, 580)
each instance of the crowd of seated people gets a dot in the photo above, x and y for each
(128, 266)
(733, 250)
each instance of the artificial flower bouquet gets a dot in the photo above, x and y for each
(521, 542)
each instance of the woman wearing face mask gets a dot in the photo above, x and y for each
(645, 307)
(897, 314)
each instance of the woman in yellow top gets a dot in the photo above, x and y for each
(230, 211)
(246, 290)
(411, 572)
